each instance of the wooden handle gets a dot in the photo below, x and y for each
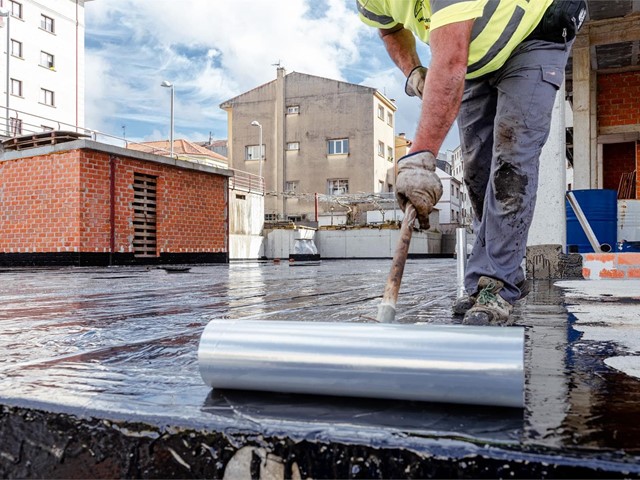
(386, 312)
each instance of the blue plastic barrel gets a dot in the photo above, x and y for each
(600, 207)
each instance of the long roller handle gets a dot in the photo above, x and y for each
(387, 309)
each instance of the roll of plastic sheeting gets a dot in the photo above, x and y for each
(434, 363)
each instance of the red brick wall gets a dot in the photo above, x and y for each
(618, 158)
(618, 105)
(39, 204)
(61, 202)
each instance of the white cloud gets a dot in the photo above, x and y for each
(210, 50)
(213, 50)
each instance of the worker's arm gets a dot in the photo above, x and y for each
(417, 181)
(401, 46)
(444, 84)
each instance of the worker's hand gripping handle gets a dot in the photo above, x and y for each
(387, 309)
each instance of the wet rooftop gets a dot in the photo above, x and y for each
(121, 344)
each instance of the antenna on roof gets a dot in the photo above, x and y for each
(279, 64)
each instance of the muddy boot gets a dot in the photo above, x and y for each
(490, 308)
(463, 304)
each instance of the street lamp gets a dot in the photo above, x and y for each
(170, 85)
(255, 123)
(6, 13)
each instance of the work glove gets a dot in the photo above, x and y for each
(418, 184)
(415, 82)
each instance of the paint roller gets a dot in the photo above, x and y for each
(417, 362)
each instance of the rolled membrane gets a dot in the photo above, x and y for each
(432, 363)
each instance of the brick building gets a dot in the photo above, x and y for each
(87, 203)
(619, 108)
(603, 83)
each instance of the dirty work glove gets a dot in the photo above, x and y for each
(418, 184)
(415, 82)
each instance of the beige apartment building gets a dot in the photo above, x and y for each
(319, 139)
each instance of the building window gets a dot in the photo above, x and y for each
(47, 23)
(252, 152)
(390, 154)
(293, 146)
(338, 147)
(293, 110)
(337, 187)
(16, 9)
(16, 87)
(380, 149)
(380, 112)
(15, 124)
(46, 60)
(380, 186)
(47, 97)
(390, 119)
(16, 48)
(270, 217)
(291, 187)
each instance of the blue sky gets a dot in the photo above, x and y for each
(213, 50)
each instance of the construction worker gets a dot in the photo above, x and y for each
(496, 65)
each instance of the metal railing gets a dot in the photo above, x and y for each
(18, 123)
(246, 182)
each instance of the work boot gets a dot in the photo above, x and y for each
(463, 304)
(490, 307)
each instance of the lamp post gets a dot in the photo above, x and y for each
(255, 123)
(7, 14)
(170, 85)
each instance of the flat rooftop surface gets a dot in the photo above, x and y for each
(121, 343)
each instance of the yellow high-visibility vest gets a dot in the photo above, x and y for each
(499, 27)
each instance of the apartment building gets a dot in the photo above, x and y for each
(317, 138)
(43, 75)
(454, 157)
(450, 204)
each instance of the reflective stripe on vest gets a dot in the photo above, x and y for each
(381, 19)
(500, 42)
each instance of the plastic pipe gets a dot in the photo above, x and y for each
(434, 363)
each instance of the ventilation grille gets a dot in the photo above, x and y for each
(144, 215)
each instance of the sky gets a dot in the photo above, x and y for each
(214, 50)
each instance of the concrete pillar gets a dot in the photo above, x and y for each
(584, 115)
(549, 224)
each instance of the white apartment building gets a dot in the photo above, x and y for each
(454, 157)
(43, 75)
(450, 204)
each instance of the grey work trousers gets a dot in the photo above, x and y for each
(504, 122)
